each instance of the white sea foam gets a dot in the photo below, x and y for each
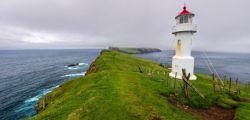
(44, 92)
(36, 98)
(81, 64)
(24, 108)
(75, 75)
(29, 103)
(73, 68)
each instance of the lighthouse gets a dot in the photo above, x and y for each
(183, 33)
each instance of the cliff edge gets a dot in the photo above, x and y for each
(118, 86)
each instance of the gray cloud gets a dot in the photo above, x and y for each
(223, 25)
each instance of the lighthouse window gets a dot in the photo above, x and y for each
(184, 19)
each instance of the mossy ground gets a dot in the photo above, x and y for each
(119, 87)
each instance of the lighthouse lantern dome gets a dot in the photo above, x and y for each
(184, 16)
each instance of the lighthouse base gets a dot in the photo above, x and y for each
(192, 77)
(182, 62)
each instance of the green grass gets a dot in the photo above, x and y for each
(134, 50)
(130, 50)
(117, 86)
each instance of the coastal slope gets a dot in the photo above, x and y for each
(118, 86)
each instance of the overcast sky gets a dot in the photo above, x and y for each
(223, 25)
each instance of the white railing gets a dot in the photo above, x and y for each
(184, 27)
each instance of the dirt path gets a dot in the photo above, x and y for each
(213, 113)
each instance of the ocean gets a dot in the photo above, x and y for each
(234, 65)
(27, 75)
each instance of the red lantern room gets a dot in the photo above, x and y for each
(184, 16)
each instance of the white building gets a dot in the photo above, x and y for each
(183, 35)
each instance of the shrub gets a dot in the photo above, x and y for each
(227, 103)
(198, 102)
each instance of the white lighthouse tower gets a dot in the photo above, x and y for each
(183, 35)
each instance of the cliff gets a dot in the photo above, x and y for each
(118, 86)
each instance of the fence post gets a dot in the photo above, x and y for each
(237, 86)
(175, 79)
(185, 79)
(213, 77)
(225, 77)
(167, 80)
(185, 85)
(230, 84)
(248, 83)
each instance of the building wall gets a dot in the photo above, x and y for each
(183, 43)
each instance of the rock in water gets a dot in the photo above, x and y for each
(73, 65)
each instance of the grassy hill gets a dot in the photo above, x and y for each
(118, 86)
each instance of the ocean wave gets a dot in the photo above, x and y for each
(30, 103)
(75, 75)
(81, 64)
(73, 68)
(42, 93)
(24, 108)
(36, 98)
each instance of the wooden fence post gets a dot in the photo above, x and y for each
(185, 85)
(225, 78)
(237, 87)
(140, 69)
(230, 84)
(247, 85)
(167, 80)
(185, 79)
(175, 79)
(213, 77)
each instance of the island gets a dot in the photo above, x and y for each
(135, 50)
(120, 86)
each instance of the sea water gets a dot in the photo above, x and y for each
(27, 75)
(234, 65)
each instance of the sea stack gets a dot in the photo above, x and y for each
(183, 34)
